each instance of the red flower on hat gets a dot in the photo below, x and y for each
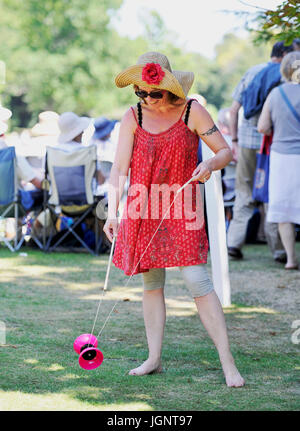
(152, 73)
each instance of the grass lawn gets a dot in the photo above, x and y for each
(47, 300)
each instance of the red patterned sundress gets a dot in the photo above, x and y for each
(162, 160)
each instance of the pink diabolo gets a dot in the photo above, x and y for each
(89, 356)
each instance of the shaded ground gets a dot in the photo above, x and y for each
(48, 300)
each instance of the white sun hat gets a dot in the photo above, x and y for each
(47, 124)
(3, 127)
(71, 125)
(5, 114)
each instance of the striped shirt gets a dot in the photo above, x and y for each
(248, 135)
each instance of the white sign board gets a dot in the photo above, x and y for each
(217, 232)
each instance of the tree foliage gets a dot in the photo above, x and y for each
(283, 23)
(63, 55)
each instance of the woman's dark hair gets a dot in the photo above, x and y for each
(279, 49)
(172, 97)
(296, 43)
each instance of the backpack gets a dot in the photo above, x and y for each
(254, 96)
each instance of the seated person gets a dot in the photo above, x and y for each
(74, 132)
(25, 173)
(32, 142)
(106, 138)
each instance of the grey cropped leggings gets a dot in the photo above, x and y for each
(195, 277)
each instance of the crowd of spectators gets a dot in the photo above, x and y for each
(259, 108)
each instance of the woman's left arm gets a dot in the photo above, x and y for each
(264, 124)
(205, 128)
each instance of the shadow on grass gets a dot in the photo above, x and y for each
(47, 301)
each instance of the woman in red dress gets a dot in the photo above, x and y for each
(159, 142)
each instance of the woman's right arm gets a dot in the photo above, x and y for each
(119, 172)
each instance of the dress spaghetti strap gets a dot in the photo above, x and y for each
(185, 110)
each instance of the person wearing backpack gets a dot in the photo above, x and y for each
(281, 116)
(246, 141)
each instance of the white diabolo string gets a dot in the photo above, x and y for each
(105, 285)
(110, 260)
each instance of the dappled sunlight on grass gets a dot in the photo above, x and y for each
(67, 377)
(113, 296)
(31, 361)
(43, 270)
(17, 400)
(38, 274)
(99, 261)
(47, 300)
(54, 367)
(243, 309)
(80, 286)
(177, 307)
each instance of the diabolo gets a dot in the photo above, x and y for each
(86, 347)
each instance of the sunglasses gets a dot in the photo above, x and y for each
(153, 94)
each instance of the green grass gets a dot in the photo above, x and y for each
(47, 300)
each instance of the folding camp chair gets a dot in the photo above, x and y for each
(71, 175)
(31, 203)
(8, 195)
(18, 205)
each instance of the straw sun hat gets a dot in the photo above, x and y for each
(153, 70)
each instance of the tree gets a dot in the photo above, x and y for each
(234, 55)
(283, 23)
(61, 55)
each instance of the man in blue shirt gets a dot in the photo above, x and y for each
(246, 141)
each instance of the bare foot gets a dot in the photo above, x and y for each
(232, 375)
(234, 379)
(292, 266)
(148, 367)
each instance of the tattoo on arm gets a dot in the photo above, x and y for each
(210, 131)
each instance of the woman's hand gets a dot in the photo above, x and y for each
(111, 228)
(202, 172)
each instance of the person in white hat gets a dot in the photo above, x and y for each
(5, 115)
(3, 129)
(25, 173)
(72, 133)
(159, 141)
(47, 125)
(71, 128)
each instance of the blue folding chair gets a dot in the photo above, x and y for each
(15, 203)
(70, 176)
(8, 194)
